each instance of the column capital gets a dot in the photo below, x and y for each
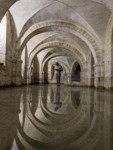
(101, 64)
(17, 61)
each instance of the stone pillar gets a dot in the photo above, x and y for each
(108, 82)
(85, 80)
(18, 72)
(87, 75)
(49, 73)
(29, 76)
(89, 78)
(111, 75)
(82, 77)
(41, 78)
(16, 78)
(32, 76)
(25, 67)
(69, 78)
(99, 75)
(25, 75)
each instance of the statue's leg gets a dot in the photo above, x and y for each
(58, 83)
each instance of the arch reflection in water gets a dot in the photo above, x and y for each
(83, 121)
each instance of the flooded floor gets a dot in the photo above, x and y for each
(56, 118)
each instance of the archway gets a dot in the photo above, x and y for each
(75, 76)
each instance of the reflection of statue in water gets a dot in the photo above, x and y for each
(58, 73)
(75, 95)
(57, 102)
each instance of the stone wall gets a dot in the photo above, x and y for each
(39, 37)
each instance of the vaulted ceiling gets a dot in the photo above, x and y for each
(4, 6)
(93, 14)
(90, 18)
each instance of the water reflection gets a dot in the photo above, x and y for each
(75, 97)
(59, 118)
(9, 110)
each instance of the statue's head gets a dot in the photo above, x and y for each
(57, 64)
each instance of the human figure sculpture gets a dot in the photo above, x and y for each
(58, 69)
(57, 100)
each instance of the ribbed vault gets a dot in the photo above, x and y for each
(82, 29)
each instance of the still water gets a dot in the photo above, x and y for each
(56, 118)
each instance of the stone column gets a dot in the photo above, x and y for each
(16, 72)
(87, 75)
(25, 67)
(49, 74)
(108, 82)
(99, 75)
(41, 78)
(25, 79)
(69, 78)
(29, 76)
(84, 77)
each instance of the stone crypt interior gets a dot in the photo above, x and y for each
(35, 114)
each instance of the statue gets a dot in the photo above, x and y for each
(58, 69)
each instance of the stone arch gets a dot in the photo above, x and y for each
(55, 37)
(76, 70)
(82, 67)
(52, 56)
(57, 7)
(62, 45)
(52, 25)
(11, 37)
(75, 63)
(44, 65)
(55, 52)
(51, 39)
(108, 54)
(7, 5)
(65, 70)
(35, 70)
